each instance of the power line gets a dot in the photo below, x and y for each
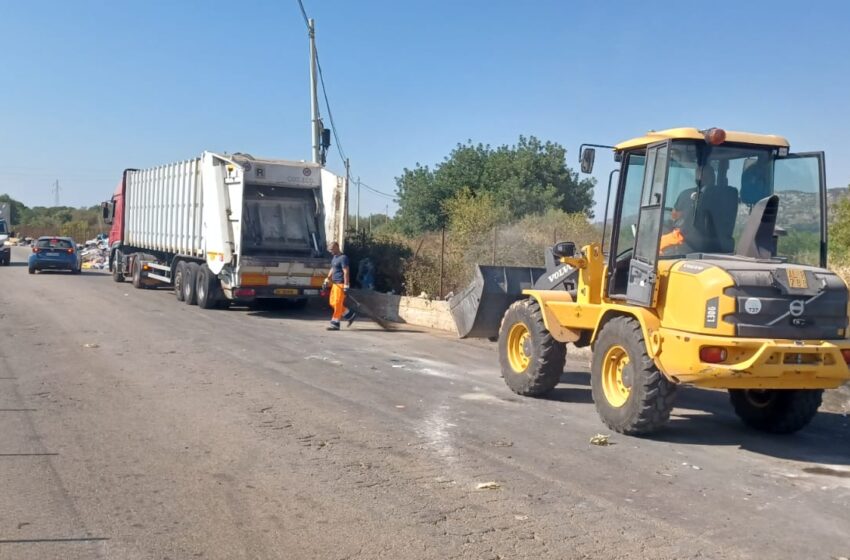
(339, 148)
(304, 13)
(376, 191)
(328, 107)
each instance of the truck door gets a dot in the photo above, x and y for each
(643, 267)
(800, 182)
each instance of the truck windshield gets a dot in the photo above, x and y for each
(279, 220)
(711, 191)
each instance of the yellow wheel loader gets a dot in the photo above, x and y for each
(711, 272)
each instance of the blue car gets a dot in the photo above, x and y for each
(55, 253)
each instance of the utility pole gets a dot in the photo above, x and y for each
(387, 215)
(56, 193)
(314, 96)
(357, 218)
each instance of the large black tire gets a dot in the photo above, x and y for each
(631, 395)
(778, 411)
(190, 295)
(118, 266)
(138, 283)
(207, 288)
(532, 361)
(179, 277)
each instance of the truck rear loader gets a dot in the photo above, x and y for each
(711, 272)
(226, 228)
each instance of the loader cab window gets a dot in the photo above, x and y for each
(625, 219)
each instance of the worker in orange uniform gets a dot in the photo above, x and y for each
(338, 278)
(684, 204)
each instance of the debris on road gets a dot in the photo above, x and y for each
(600, 439)
(91, 345)
(492, 485)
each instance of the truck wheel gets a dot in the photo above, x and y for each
(179, 277)
(190, 296)
(137, 272)
(778, 411)
(207, 288)
(631, 395)
(118, 266)
(532, 361)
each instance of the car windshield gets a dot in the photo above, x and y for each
(711, 192)
(54, 244)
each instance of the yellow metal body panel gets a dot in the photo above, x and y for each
(695, 134)
(684, 287)
(754, 363)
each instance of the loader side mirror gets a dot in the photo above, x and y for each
(564, 249)
(588, 156)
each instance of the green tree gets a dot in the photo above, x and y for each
(18, 211)
(529, 177)
(839, 231)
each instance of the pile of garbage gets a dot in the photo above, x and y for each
(95, 254)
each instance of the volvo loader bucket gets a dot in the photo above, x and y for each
(478, 309)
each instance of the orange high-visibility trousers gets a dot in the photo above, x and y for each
(337, 301)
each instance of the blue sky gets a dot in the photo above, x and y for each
(91, 87)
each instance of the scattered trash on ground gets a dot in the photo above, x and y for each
(492, 485)
(600, 439)
(91, 345)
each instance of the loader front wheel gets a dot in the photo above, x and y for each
(532, 361)
(631, 395)
(778, 411)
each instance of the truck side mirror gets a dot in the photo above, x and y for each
(106, 211)
(588, 156)
(564, 249)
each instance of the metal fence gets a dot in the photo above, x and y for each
(77, 232)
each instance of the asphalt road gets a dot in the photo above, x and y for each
(135, 427)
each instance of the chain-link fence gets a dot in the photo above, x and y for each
(443, 262)
(78, 232)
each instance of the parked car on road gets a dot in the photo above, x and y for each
(55, 253)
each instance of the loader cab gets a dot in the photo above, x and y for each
(690, 194)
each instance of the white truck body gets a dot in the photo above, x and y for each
(256, 223)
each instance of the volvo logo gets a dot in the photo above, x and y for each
(796, 307)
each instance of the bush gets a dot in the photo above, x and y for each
(387, 253)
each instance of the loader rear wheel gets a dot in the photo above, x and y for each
(631, 395)
(778, 411)
(207, 287)
(118, 266)
(179, 279)
(190, 294)
(532, 361)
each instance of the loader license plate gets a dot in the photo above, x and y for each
(797, 279)
(286, 292)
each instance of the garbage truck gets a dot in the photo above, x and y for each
(223, 229)
(711, 272)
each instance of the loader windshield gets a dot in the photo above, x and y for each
(278, 220)
(712, 190)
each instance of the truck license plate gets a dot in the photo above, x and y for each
(797, 279)
(286, 292)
